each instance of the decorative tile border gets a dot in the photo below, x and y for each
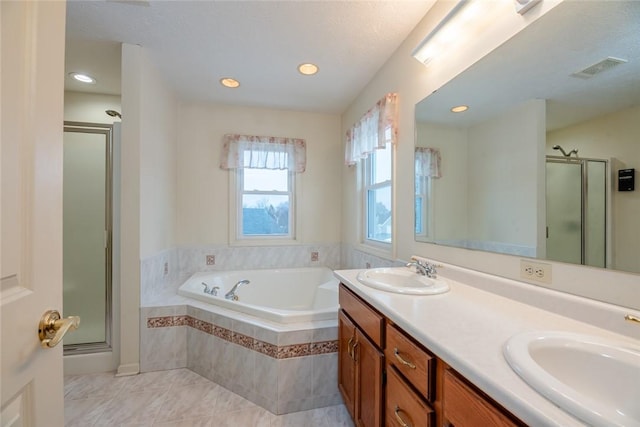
(268, 349)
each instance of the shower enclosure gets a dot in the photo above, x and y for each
(576, 193)
(87, 225)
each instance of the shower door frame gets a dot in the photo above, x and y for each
(107, 131)
(583, 162)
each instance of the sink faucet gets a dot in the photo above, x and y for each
(425, 269)
(231, 295)
(211, 291)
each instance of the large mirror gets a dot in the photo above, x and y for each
(531, 168)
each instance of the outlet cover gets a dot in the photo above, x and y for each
(315, 256)
(535, 271)
(211, 259)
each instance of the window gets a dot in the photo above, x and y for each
(266, 199)
(426, 168)
(370, 144)
(423, 208)
(377, 195)
(262, 187)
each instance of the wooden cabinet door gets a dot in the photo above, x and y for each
(369, 366)
(346, 363)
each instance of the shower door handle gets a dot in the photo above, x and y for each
(53, 328)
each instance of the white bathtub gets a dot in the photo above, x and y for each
(282, 295)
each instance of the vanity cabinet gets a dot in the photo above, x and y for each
(464, 405)
(360, 359)
(388, 378)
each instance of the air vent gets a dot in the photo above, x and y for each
(602, 66)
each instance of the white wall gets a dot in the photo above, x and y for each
(503, 175)
(450, 191)
(90, 107)
(158, 109)
(203, 188)
(413, 82)
(148, 185)
(615, 136)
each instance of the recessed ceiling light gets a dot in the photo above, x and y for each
(460, 109)
(229, 82)
(84, 78)
(308, 69)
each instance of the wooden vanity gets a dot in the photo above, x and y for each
(388, 378)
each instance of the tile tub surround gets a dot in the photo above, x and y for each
(282, 371)
(182, 262)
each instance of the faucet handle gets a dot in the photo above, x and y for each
(206, 288)
(214, 291)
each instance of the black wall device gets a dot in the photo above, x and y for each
(626, 179)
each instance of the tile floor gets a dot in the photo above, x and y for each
(175, 398)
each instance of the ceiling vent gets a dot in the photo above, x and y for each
(602, 66)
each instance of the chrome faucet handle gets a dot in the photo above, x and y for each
(420, 269)
(214, 291)
(206, 288)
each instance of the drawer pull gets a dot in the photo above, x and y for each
(396, 353)
(402, 422)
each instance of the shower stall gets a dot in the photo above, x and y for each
(577, 210)
(87, 235)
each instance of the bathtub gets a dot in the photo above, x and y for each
(285, 295)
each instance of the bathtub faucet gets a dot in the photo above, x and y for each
(211, 291)
(232, 293)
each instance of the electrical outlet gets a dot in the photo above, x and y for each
(166, 268)
(315, 256)
(211, 259)
(536, 271)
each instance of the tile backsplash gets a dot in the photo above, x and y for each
(182, 262)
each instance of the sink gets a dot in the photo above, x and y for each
(594, 379)
(402, 280)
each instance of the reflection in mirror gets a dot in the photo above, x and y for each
(531, 168)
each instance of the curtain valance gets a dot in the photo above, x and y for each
(428, 162)
(377, 127)
(263, 152)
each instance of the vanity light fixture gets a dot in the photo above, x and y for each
(459, 109)
(229, 82)
(84, 78)
(308, 69)
(466, 19)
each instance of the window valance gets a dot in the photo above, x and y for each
(428, 162)
(377, 127)
(263, 152)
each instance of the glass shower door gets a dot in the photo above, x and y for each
(564, 211)
(86, 235)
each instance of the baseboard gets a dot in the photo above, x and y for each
(128, 369)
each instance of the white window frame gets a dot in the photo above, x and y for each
(384, 249)
(426, 201)
(236, 190)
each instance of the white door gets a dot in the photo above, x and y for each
(32, 87)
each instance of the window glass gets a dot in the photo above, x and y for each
(377, 203)
(265, 198)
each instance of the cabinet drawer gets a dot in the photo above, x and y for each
(463, 406)
(368, 320)
(417, 366)
(404, 407)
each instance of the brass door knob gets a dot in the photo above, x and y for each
(53, 328)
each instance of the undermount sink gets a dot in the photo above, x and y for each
(594, 379)
(402, 280)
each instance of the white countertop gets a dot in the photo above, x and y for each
(467, 327)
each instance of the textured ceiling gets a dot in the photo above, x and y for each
(259, 43)
(538, 62)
